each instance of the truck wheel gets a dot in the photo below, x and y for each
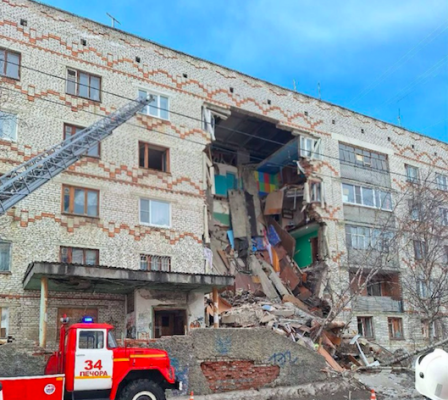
(142, 389)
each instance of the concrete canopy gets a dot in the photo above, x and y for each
(99, 279)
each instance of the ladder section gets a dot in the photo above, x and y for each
(31, 175)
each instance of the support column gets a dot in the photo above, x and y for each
(215, 308)
(43, 312)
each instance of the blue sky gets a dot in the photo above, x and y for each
(374, 57)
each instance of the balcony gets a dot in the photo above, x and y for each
(377, 304)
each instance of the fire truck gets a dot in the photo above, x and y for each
(88, 364)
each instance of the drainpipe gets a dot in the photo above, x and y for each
(43, 312)
(215, 308)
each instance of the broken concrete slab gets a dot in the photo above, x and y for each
(266, 284)
(238, 214)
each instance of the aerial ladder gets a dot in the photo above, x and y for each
(36, 172)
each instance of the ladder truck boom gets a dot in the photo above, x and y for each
(32, 174)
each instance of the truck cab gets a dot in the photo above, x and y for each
(94, 365)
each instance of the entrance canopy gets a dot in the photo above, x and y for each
(99, 279)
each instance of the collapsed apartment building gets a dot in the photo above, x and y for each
(225, 181)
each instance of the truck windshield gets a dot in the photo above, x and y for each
(111, 342)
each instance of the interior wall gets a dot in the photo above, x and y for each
(303, 254)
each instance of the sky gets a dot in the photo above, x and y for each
(386, 59)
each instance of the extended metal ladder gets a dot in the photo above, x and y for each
(31, 175)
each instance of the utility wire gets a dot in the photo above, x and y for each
(203, 144)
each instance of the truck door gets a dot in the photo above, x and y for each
(93, 360)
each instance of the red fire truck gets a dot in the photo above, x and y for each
(90, 365)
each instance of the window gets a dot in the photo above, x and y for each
(155, 212)
(80, 201)
(70, 130)
(8, 126)
(395, 328)
(9, 64)
(155, 263)
(5, 256)
(374, 289)
(365, 327)
(442, 182)
(414, 211)
(316, 191)
(91, 339)
(153, 157)
(362, 238)
(75, 255)
(4, 325)
(310, 148)
(419, 250)
(158, 107)
(443, 216)
(411, 174)
(445, 255)
(364, 158)
(83, 84)
(366, 196)
(435, 329)
(424, 288)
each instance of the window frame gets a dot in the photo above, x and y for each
(410, 178)
(77, 83)
(157, 95)
(68, 125)
(3, 73)
(442, 182)
(362, 320)
(84, 249)
(9, 243)
(151, 224)
(358, 191)
(71, 201)
(159, 260)
(348, 155)
(419, 245)
(390, 325)
(15, 126)
(313, 153)
(166, 156)
(315, 191)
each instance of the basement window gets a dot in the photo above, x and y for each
(71, 130)
(153, 157)
(159, 107)
(150, 262)
(365, 327)
(395, 328)
(76, 255)
(83, 84)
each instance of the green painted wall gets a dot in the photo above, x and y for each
(303, 254)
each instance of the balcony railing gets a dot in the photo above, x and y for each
(377, 303)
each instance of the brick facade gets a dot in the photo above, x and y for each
(49, 44)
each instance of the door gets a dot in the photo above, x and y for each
(93, 360)
(169, 323)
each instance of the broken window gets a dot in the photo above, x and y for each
(153, 157)
(442, 182)
(77, 255)
(310, 148)
(159, 105)
(365, 158)
(315, 191)
(155, 213)
(365, 327)
(9, 64)
(412, 174)
(83, 84)
(8, 126)
(71, 130)
(80, 201)
(366, 196)
(5, 256)
(420, 249)
(150, 262)
(395, 328)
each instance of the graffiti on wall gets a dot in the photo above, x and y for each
(223, 345)
(283, 358)
(181, 375)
